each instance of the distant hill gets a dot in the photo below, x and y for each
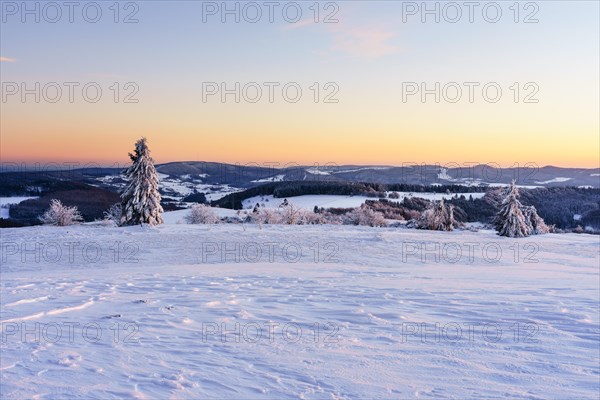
(181, 179)
(93, 190)
(245, 176)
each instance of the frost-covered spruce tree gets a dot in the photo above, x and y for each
(140, 199)
(510, 220)
(535, 222)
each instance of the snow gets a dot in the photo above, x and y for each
(443, 174)
(146, 317)
(176, 188)
(222, 191)
(6, 202)
(519, 186)
(555, 180)
(276, 178)
(340, 201)
(178, 217)
(174, 185)
(194, 176)
(345, 171)
(317, 171)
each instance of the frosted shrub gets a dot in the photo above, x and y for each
(114, 213)
(365, 216)
(267, 216)
(312, 218)
(60, 215)
(291, 215)
(578, 229)
(201, 214)
(331, 219)
(438, 217)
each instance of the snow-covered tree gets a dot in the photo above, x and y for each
(140, 198)
(537, 224)
(438, 217)
(60, 215)
(510, 220)
(201, 214)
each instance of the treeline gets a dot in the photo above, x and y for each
(564, 207)
(300, 188)
(559, 205)
(91, 202)
(32, 184)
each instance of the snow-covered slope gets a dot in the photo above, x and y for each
(338, 201)
(322, 312)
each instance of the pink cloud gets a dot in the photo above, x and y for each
(7, 59)
(299, 24)
(366, 42)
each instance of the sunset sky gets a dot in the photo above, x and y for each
(370, 55)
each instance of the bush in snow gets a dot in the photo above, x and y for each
(114, 213)
(201, 214)
(363, 215)
(140, 198)
(438, 217)
(60, 215)
(267, 216)
(291, 215)
(516, 220)
(313, 218)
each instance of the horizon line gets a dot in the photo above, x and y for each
(66, 165)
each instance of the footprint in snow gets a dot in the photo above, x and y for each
(70, 360)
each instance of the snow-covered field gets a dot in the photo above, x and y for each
(234, 311)
(178, 189)
(339, 201)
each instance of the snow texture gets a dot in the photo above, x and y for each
(356, 311)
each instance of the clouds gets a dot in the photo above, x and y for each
(363, 42)
(299, 24)
(354, 34)
(7, 59)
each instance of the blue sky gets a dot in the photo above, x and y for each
(369, 53)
